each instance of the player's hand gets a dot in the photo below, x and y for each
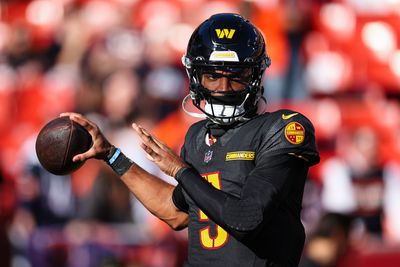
(100, 148)
(159, 153)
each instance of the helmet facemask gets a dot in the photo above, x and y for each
(226, 107)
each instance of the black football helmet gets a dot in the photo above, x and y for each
(226, 43)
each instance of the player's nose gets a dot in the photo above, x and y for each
(225, 84)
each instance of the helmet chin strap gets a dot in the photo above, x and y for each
(193, 114)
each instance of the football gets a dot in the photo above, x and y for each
(58, 142)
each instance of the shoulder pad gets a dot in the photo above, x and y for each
(292, 133)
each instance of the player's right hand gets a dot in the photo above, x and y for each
(159, 153)
(100, 148)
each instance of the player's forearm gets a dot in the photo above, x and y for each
(156, 195)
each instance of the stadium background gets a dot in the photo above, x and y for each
(118, 61)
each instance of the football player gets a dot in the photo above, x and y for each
(241, 171)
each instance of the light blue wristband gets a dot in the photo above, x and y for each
(119, 162)
(114, 156)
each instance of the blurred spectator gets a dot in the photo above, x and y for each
(108, 201)
(49, 197)
(297, 24)
(392, 200)
(269, 16)
(121, 106)
(329, 243)
(96, 65)
(312, 207)
(18, 50)
(44, 200)
(354, 182)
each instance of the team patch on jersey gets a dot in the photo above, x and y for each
(295, 133)
(240, 155)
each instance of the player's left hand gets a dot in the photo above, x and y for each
(159, 153)
(101, 146)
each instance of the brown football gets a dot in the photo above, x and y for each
(58, 142)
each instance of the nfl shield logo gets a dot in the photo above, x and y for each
(208, 156)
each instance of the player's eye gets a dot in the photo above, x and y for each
(212, 76)
(235, 78)
(244, 76)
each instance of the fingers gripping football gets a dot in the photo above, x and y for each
(159, 153)
(100, 147)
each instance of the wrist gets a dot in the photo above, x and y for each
(109, 152)
(118, 161)
(178, 175)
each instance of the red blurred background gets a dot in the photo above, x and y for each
(118, 61)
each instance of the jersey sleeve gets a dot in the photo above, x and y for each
(290, 133)
(179, 199)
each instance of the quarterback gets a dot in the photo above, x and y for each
(241, 171)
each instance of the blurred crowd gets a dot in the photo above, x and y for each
(119, 61)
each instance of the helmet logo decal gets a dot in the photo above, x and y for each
(225, 33)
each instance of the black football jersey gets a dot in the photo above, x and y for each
(240, 153)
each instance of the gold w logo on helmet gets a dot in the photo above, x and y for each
(225, 33)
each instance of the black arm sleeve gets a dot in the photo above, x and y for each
(179, 199)
(265, 187)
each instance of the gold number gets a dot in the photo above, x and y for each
(220, 239)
